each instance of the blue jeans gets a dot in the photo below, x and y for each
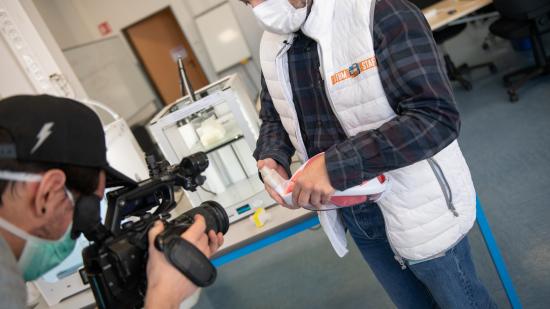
(449, 281)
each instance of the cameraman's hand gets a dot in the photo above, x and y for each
(166, 286)
(272, 164)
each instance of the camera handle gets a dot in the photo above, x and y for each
(189, 260)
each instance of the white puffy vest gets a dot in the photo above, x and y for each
(431, 205)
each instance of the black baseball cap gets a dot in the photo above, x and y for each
(48, 129)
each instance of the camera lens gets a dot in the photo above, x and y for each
(215, 216)
(194, 164)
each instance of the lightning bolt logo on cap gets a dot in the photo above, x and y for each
(44, 133)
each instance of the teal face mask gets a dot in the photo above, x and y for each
(39, 255)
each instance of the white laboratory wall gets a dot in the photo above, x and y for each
(199, 7)
(41, 49)
(13, 79)
(48, 50)
(84, 16)
(252, 32)
(223, 37)
(122, 13)
(110, 74)
(62, 18)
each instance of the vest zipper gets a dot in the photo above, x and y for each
(445, 187)
(286, 46)
(400, 260)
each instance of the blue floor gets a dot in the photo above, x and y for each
(508, 149)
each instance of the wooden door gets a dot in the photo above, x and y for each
(157, 41)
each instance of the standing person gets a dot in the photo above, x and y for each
(52, 157)
(360, 82)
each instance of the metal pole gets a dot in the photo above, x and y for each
(497, 257)
(185, 81)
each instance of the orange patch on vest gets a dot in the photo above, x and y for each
(354, 70)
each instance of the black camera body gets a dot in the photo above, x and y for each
(115, 262)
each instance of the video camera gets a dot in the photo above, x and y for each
(115, 262)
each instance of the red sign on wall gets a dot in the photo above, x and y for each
(104, 28)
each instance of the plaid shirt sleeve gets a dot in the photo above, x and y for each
(418, 90)
(273, 141)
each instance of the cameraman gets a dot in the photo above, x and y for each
(53, 156)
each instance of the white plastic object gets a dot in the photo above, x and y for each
(274, 180)
(211, 132)
(371, 190)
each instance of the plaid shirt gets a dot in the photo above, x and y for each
(416, 87)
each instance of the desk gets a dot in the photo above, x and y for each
(245, 232)
(446, 11)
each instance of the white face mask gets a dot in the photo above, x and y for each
(279, 16)
(39, 255)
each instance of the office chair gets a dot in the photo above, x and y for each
(520, 19)
(457, 73)
(488, 11)
(441, 36)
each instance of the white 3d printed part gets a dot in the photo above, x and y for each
(371, 190)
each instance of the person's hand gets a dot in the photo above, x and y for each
(272, 164)
(166, 286)
(312, 185)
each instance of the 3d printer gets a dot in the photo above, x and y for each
(219, 120)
